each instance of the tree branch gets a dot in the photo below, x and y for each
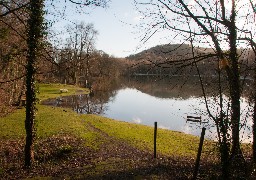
(11, 10)
(101, 3)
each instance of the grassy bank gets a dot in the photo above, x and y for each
(54, 120)
(47, 91)
(170, 143)
(101, 144)
(49, 120)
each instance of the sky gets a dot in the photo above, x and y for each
(116, 24)
(117, 35)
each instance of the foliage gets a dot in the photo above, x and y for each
(35, 28)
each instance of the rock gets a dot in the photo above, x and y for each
(63, 90)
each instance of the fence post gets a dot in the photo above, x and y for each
(155, 134)
(199, 153)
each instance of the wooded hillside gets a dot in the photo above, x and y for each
(178, 59)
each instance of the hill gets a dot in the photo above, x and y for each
(173, 59)
(169, 51)
(177, 59)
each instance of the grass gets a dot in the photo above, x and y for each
(171, 143)
(47, 91)
(12, 126)
(54, 120)
(49, 120)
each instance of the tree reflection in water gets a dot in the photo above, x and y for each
(93, 103)
(145, 100)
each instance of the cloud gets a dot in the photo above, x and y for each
(137, 120)
(164, 127)
(137, 18)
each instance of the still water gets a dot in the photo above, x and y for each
(132, 105)
(145, 102)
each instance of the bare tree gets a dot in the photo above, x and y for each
(11, 7)
(12, 53)
(213, 24)
(81, 42)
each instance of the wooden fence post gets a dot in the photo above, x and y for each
(155, 134)
(199, 154)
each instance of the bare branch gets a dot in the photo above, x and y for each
(101, 3)
(211, 34)
(12, 80)
(253, 6)
(11, 10)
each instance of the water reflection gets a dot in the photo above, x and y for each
(132, 105)
(82, 103)
(144, 101)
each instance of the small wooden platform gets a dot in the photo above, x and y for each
(196, 119)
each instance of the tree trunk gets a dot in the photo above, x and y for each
(254, 115)
(254, 125)
(30, 112)
(234, 83)
(224, 147)
(34, 25)
(237, 162)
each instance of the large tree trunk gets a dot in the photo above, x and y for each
(237, 162)
(234, 82)
(35, 23)
(254, 122)
(30, 112)
(224, 146)
(235, 118)
(254, 113)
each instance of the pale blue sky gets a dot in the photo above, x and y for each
(118, 35)
(115, 25)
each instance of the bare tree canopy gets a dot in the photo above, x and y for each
(223, 26)
(101, 3)
(11, 7)
(23, 48)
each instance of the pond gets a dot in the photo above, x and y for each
(146, 101)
